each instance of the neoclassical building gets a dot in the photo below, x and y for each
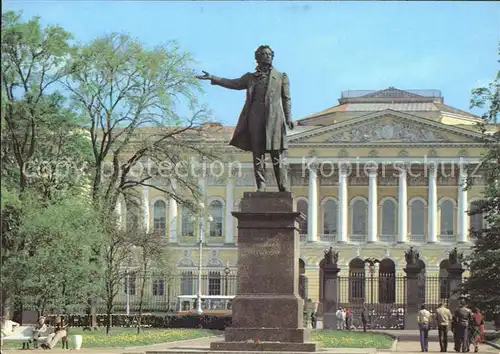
(374, 174)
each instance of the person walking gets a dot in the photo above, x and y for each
(477, 328)
(424, 318)
(364, 318)
(461, 323)
(443, 321)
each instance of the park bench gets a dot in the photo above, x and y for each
(23, 334)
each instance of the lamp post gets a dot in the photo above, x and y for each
(201, 230)
(226, 272)
(371, 263)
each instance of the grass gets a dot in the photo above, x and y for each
(347, 339)
(128, 337)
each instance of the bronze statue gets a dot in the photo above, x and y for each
(261, 127)
(331, 256)
(412, 256)
(455, 257)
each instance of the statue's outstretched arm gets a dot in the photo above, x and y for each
(233, 84)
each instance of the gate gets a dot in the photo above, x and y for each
(383, 297)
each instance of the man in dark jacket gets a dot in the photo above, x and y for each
(261, 125)
(461, 322)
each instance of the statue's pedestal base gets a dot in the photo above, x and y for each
(267, 310)
(264, 346)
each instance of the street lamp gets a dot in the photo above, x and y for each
(201, 230)
(371, 263)
(226, 272)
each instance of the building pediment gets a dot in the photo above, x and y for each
(387, 127)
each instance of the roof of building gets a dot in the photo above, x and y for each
(390, 98)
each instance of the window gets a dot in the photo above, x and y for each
(359, 217)
(330, 217)
(387, 282)
(158, 287)
(356, 281)
(417, 218)
(214, 283)
(187, 283)
(159, 217)
(187, 222)
(216, 211)
(129, 284)
(475, 218)
(389, 222)
(302, 207)
(446, 219)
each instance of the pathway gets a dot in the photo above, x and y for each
(409, 342)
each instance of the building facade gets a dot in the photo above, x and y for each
(373, 175)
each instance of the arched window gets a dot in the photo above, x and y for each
(475, 217)
(357, 281)
(417, 218)
(444, 285)
(302, 207)
(421, 282)
(217, 212)
(159, 217)
(187, 222)
(360, 217)
(389, 219)
(330, 217)
(446, 219)
(387, 281)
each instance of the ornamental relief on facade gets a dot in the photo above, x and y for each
(390, 179)
(299, 178)
(216, 180)
(399, 131)
(419, 179)
(245, 178)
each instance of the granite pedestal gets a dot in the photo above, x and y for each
(267, 310)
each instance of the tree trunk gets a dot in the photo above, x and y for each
(141, 297)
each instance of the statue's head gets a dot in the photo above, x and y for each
(264, 55)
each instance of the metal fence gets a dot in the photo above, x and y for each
(160, 294)
(384, 297)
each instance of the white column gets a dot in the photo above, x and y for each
(312, 212)
(229, 208)
(432, 209)
(342, 218)
(145, 207)
(372, 205)
(402, 207)
(172, 216)
(462, 216)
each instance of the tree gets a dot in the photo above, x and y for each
(483, 285)
(32, 64)
(153, 260)
(43, 152)
(130, 97)
(47, 262)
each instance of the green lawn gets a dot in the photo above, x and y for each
(348, 339)
(128, 337)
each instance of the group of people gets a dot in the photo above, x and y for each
(345, 316)
(60, 331)
(466, 325)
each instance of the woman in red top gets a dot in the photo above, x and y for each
(477, 328)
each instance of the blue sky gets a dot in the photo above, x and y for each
(324, 47)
